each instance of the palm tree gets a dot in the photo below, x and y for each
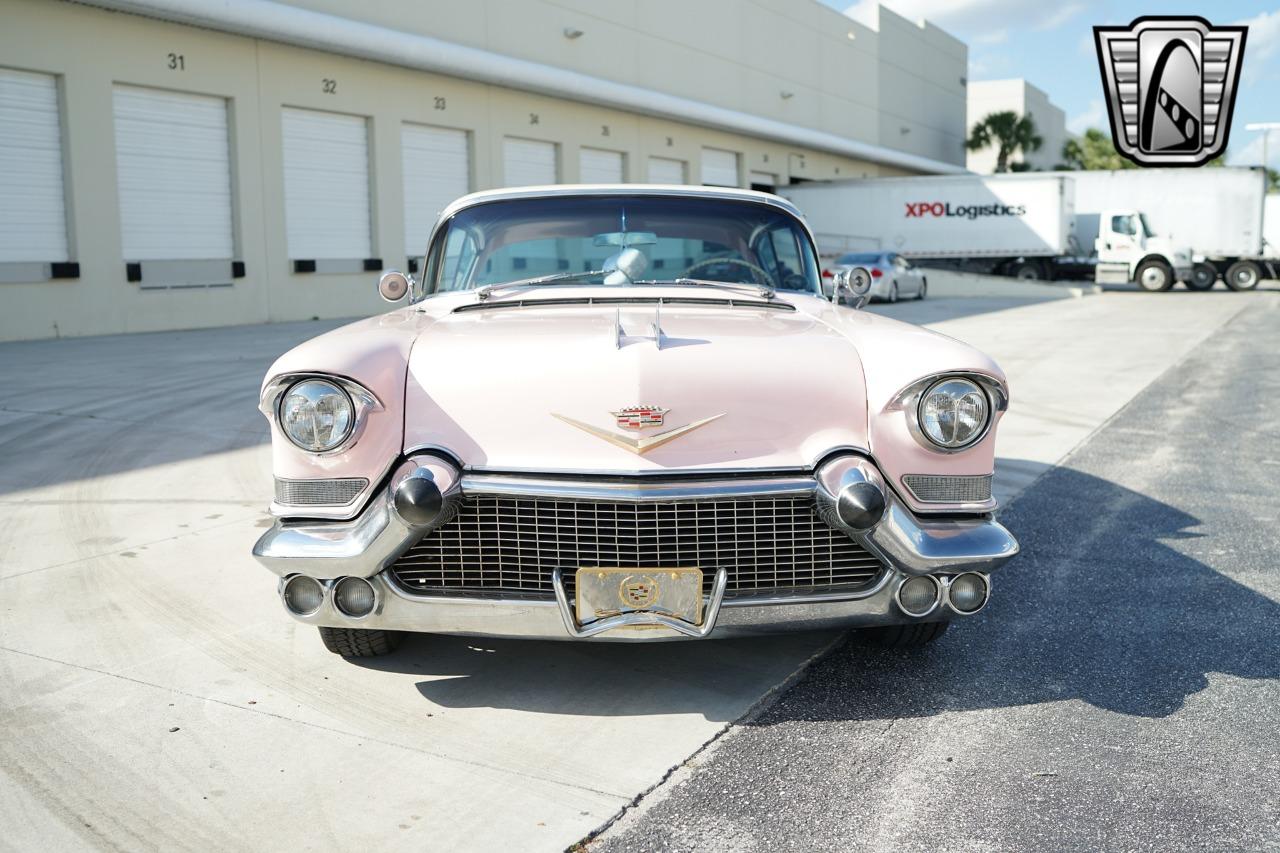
(1009, 132)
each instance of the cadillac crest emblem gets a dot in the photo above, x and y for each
(638, 592)
(639, 417)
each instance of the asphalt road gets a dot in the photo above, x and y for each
(1120, 692)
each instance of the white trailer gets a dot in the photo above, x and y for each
(1027, 225)
(1218, 212)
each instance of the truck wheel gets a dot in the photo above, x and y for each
(911, 636)
(1203, 276)
(1028, 271)
(359, 642)
(1243, 275)
(1154, 276)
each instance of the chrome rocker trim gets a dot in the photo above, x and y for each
(370, 543)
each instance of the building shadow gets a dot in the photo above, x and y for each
(1103, 606)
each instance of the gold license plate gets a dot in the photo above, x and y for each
(604, 592)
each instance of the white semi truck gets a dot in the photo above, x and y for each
(1221, 213)
(1153, 226)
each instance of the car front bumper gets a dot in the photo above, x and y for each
(907, 545)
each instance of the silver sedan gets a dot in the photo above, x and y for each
(893, 277)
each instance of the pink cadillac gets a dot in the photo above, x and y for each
(628, 413)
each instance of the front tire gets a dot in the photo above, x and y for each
(1028, 271)
(911, 636)
(893, 292)
(1243, 275)
(1203, 277)
(359, 642)
(1154, 276)
(924, 287)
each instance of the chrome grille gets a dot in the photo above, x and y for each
(505, 545)
(319, 492)
(957, 489)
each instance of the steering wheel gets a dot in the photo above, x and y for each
(706, 262)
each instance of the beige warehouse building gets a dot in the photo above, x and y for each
(172, 164)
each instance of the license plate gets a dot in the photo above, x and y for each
(604, 592)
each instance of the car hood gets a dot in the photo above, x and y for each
(535, 387)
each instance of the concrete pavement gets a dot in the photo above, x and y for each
(154, 696)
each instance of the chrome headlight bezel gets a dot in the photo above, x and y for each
(361, 399)
(911, 398)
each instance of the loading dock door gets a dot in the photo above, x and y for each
(33, 216)
(527, 162)
(719, 168)
(664, 170)
(173, 165)
(326, 185)
(437, 170)
(596, 166)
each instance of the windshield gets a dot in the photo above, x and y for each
(654, 239)
(860, 258)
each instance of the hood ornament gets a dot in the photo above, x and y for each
(638, 417)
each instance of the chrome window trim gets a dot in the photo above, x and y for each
(418, 292)
(363, 401)
(910, 397)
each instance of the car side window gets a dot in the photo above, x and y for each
(787, 252)
(1123, 225)
(459, 255)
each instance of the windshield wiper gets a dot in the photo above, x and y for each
(761, 290)
(483, 293)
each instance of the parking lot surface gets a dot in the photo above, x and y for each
(1120, 691)
(155, 696)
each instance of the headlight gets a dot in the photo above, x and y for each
(954, 413)
(316, 415)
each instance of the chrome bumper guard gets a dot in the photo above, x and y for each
(369, 544)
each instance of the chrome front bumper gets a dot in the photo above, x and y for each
(369, 544)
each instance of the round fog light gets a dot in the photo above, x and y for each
(303, 595)
(354, 597)
(918, 596)
(968, 592)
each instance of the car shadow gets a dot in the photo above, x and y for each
(1102, 606)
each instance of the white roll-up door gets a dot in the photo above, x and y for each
(527, 162)
(597, 166)
(764, 179)
(437, 170)
(326, 185)
(33, 217)
(663, 170)
(719, 168)
(173, 165)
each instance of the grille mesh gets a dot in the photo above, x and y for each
(503, 545)
(935, 488)
(319, 492)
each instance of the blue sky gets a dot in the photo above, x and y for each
(1051, 46)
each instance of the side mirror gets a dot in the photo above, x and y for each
(394, 285)
(851, 286)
